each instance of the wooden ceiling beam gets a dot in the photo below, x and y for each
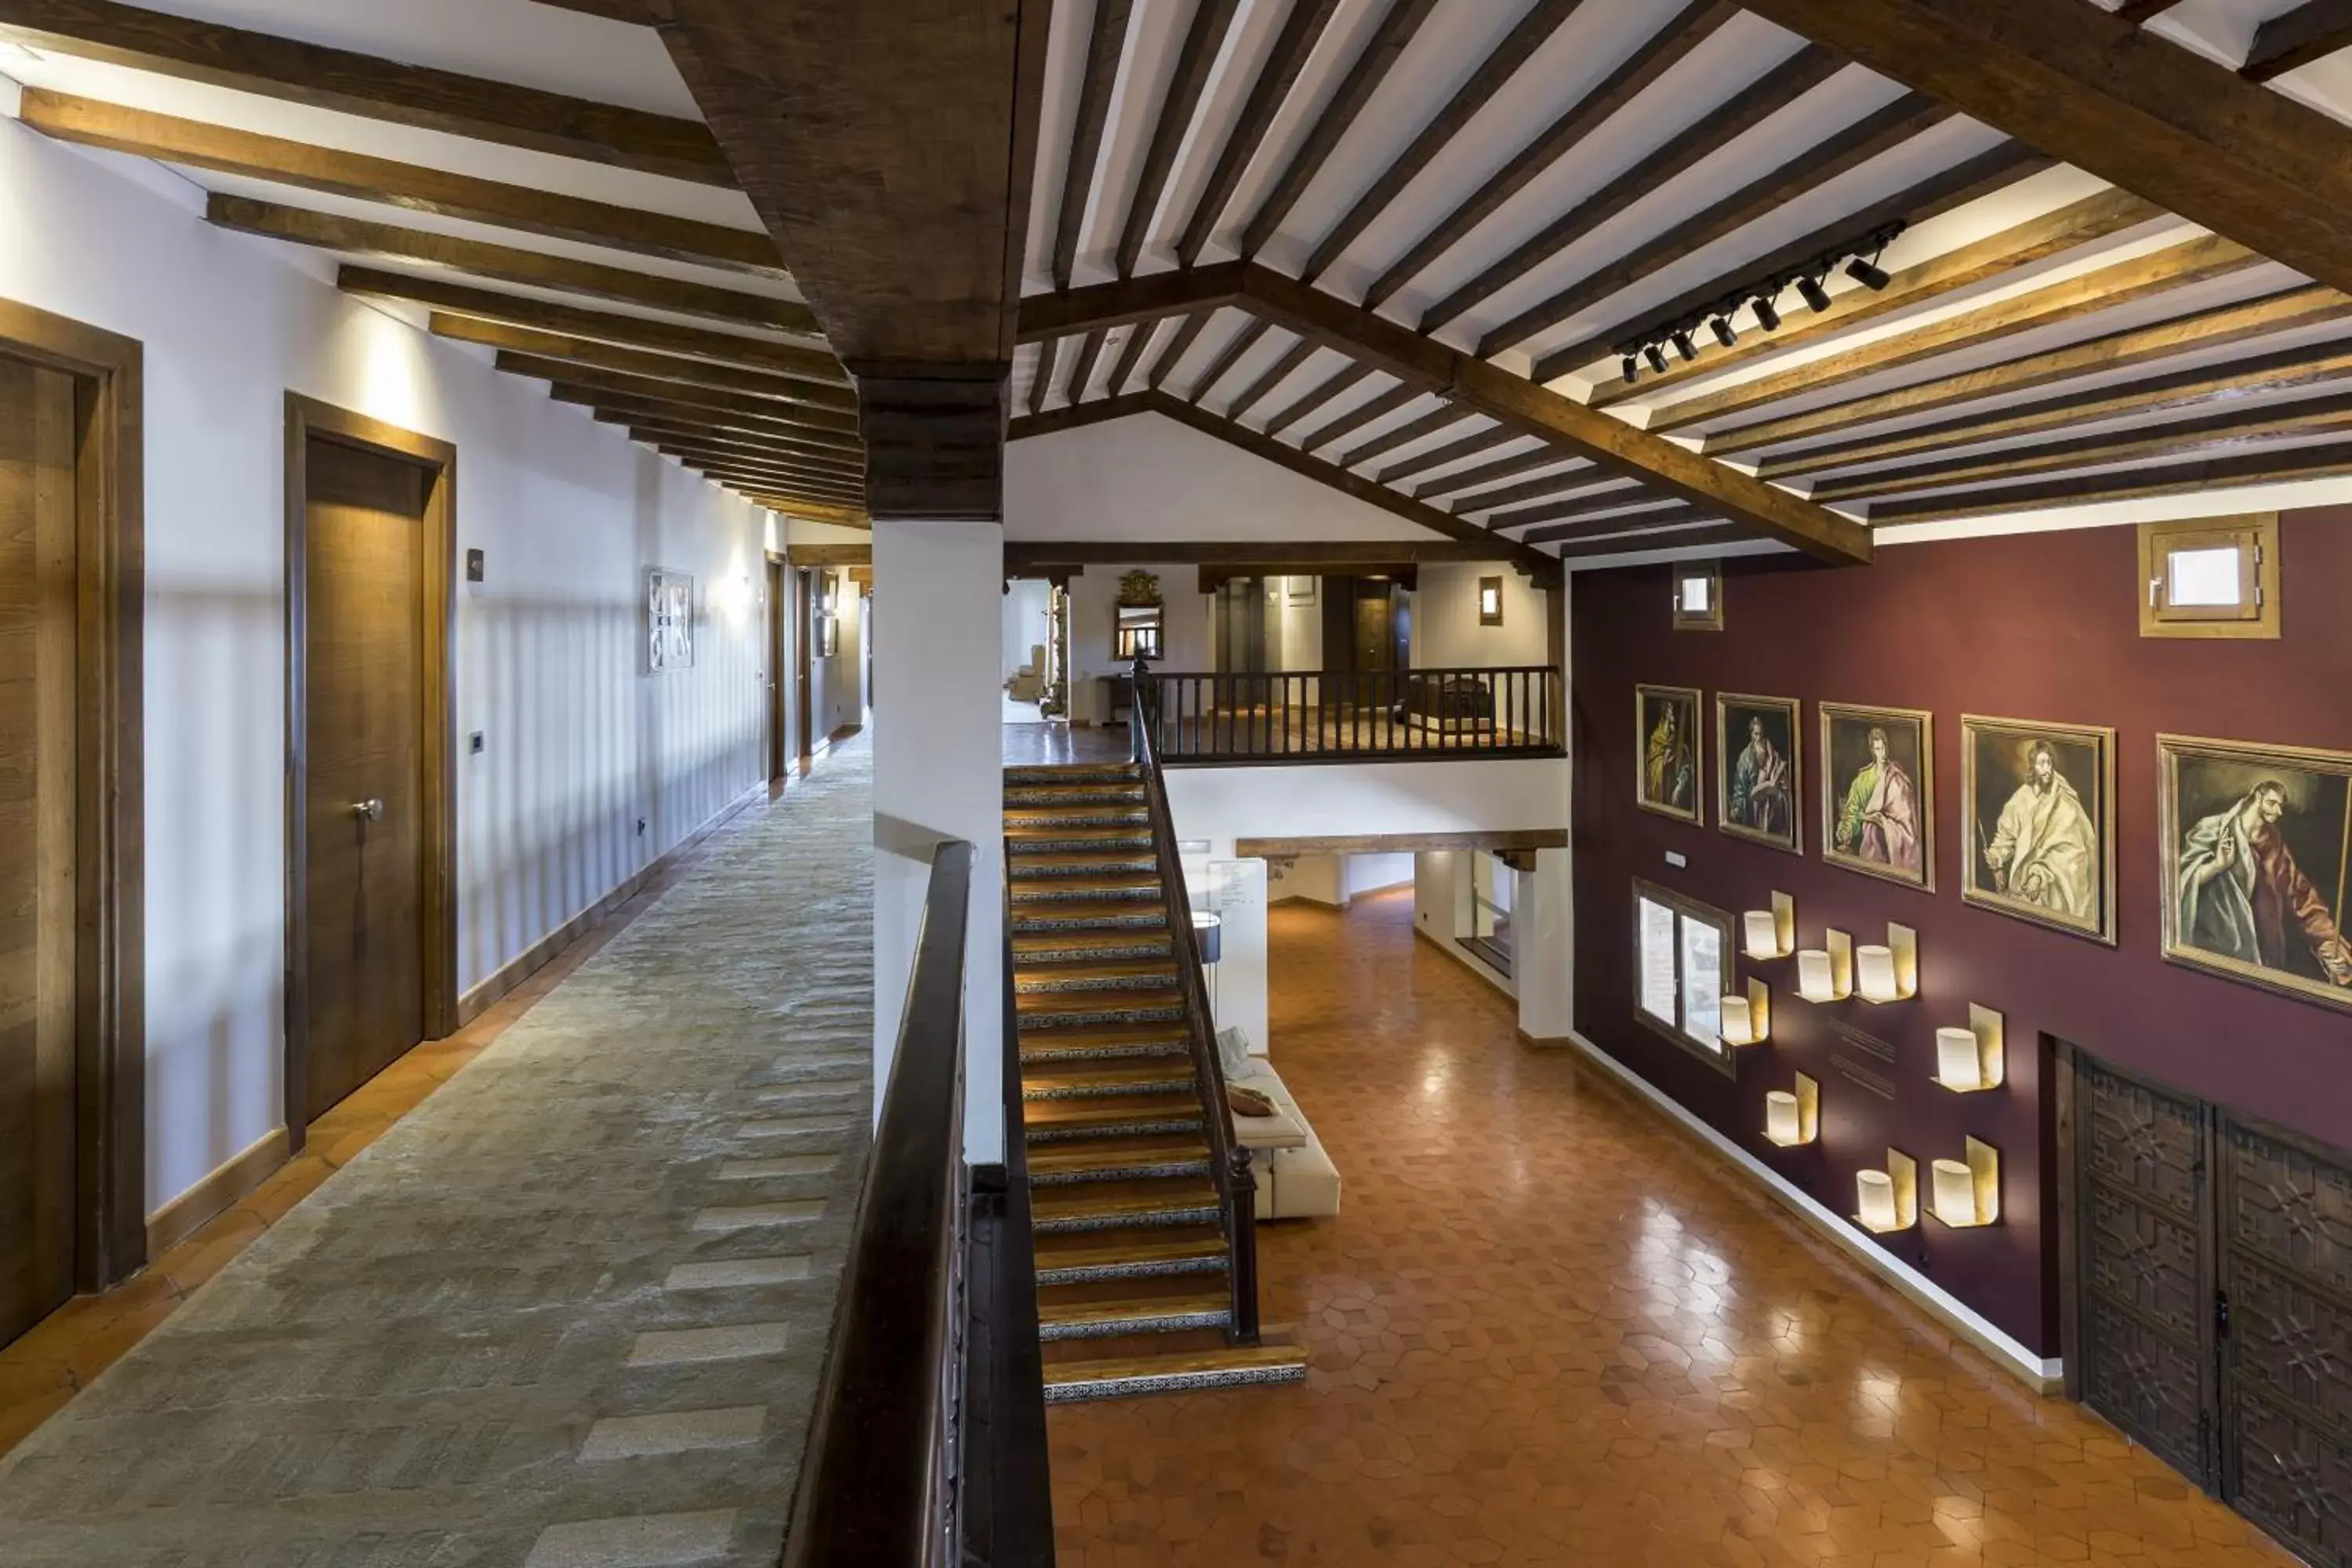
(1385, 45)
(1049, 356)
(625, 408)
(1875, 134)
(600, 326)
(1204, 40)
(1406, 470)
(1130, 355)
(1339, 557)
(637, 12)
(1768, 95)
(1078, 415)
(2137, 110)
(785, 390)
(1178, 347)
(1574, 486)
(1470, 487)
(1629, 508)
(2237, 429)
(1274, 375)
(1302, 29)
(2136, 483)
(2075, 224)
(2292, 40)
(1229, 356)
(1341, 425)
(2216, 384)
(703, 436)
(1503, 62)
(1984, 175)
(1200, 290)
(1673, 536)
(1693, 24)
(197, 145)
(1082, 370)
(2130, 349)
(352, 83)
(592, 381)
(811, 511)
(751, 471)
(1438, 420)
(1107, 41)
(1320, 396)
(2144, 10)
(1650, 515)
(506, 264)
(2184, 266)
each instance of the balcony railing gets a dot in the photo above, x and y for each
(1305, 716)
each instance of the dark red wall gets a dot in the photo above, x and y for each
(2027, 627)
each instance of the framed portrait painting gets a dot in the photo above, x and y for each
(669, 620)
(1760, 770)
(2257, 847)
(2039, 805)
(1878, 792)
(1666, 750)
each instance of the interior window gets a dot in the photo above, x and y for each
(2210, 577)
(1682, 951)
(1660, 987)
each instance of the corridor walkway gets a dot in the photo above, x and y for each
(1546, 1330)
(569, 1312)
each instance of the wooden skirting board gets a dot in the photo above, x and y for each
(512, 973)
(180, 1218)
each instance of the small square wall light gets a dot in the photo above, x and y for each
(1490, 600)
(1698, 597)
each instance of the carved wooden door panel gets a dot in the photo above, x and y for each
(2285, 1262)
(2144, 1263)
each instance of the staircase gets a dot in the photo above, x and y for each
(1146, 1249)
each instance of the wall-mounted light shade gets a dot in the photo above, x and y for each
(1792, 1117)
(1888, 1200)
(1768, 315)
(1826, 973)
(1770, 934)
(1967, 1193)
(1889, 973)
(1972, 1059)
(1868, 274)
(1877, 1190)
(1815, 295)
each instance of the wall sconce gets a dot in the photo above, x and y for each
(1889, 1199)
(1968, 1193)
(1971, 1059)
(1771, 934)
(1490, 600)
(1792, 1117)
(1748, 1020)
(1889, 974)
(1826, 973)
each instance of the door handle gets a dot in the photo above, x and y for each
(368, 810)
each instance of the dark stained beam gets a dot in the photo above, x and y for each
(1673, 536)
(2240, 429)
(1880, 132)
(1381, 51)
(755, 471)
(1577, 485)
(1147, 299)
(1078, 415)
(1774, 92)
(1229, 356)
(603, 326)
(1442, 418)
(2215, 386)
(1470, 487)
(687, 442)
(1274, 375)
(2077, 224)
(2135, 483)
(351, 83)
(696, 433)
(1082, 370)
(1320, 397)
(1526, 36)
(1130, 355)
(1650, 514)
(1106, 42)
(1302, 29)
(1340, 556)
(195, 145)
(589, 379)
(812, 512)
(789, 393)
(637, 12)
(2223, 325)
(2144, 10)
(2139, 112)
(505, 264)
(1341, 425)
(1406, 470)
(1939, 193)
(1179, 346)
(632, 407)
(2292, 40)
(1211, 19)
(1696, 22)
(2147, 277)
(1624, 509)
(1049, 355)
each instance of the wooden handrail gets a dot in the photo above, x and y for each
(1229, 1164)
(878, 1481)
(1204, 718)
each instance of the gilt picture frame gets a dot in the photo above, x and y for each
(1760, 769)
(1878, 792)
(1669, 752)
(2038, 822)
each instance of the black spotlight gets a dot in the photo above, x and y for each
(1656, 357)
(1816, 296)
(1684, 347)
(1722, 332)
(1767, 315)
(1633, 371)
(1868, 274)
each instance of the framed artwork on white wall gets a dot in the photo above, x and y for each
(669, 620)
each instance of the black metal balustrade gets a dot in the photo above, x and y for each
(927, 1447)
(1337, 715)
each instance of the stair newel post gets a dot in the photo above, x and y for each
(1243, 1243)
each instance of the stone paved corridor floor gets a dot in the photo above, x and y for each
(1547, 1328)
(567, 1313)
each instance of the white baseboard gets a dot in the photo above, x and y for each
(2044, 1373)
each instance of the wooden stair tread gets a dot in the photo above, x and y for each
(1097, 1249)
(1110, 1110)
(1146, 941)
(1075, 889)
(1059, 916)
(1185, 1303)
(1104, 1080)
(1123, 1200)
(1113, 833)
(1116, 1153)
(1087, 1004)
(1028, 862)
(1228, 1358)
(1161, 971)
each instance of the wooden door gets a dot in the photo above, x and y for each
(365, 777)
(804, 635)
(778, 622)
(2143, 1265)
(37, 827)
(2286, 1300)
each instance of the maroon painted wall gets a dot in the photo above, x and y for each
(2025, 626)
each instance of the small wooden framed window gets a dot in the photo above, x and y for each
(1698, 597)
(2210, 577)
(1682, 966)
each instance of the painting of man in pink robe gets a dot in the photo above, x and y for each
(1878, 816)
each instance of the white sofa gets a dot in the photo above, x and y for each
(1295, 1179)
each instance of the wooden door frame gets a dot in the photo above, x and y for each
(778, 631)
(109, 804)
(436, 756)
(804, 608)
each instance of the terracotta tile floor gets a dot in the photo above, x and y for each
(58, 1356)
(1548, 1330)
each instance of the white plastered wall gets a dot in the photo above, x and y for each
(578, 746)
